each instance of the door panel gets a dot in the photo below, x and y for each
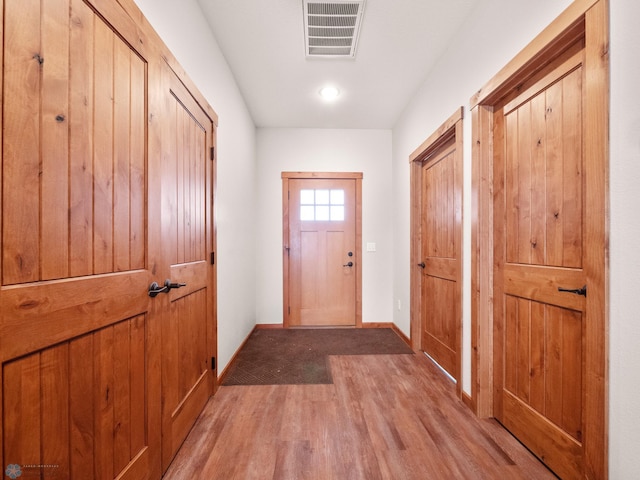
(539, 328)
(440, 212)
(322, 232)
(76, 322)
(187, 378)
(89, 152)
(85, 399)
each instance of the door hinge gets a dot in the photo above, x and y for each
(213, 363)
(212, 152)
(213, 258)
(289, 309)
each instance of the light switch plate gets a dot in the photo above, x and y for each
(371, 247)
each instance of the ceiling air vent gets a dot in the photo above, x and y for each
(331, 29)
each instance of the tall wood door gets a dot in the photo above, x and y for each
(188, 328)
(540, 275)
(322, 252)
(441, 219)
(77, 328)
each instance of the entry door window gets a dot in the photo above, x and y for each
(322, 205)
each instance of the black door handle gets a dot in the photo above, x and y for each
(169, 284)
(421, 265)
(350, 264)
(578, 291)
(155, 289)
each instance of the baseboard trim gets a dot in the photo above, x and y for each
(468, 401)
(377, 325)
(224, 372)
(268, 326)
(390, 325)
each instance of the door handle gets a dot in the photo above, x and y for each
(350, 264)
(421, 265)
(155, 289)
(577, 291)
(169, 284)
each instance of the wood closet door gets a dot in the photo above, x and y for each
(79, 389)
(188, 329)
(540, 250)
(441, 219)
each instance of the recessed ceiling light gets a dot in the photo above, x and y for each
(329, 93)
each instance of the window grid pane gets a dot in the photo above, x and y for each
(337, 197)
(322, 197)
(322, 205)
(307, 197)
(322, 213)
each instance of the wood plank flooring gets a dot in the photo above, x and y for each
(385, 417)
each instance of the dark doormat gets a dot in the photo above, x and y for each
(300, 356)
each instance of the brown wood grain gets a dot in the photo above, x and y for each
(138, 381)
(21, 144)
(596, 232)
(83, 102)
(122, 396)
(121, 160)
(440, 236)
(81, 57)
(187, 376)
(436, 219)
(103, 149)
(81, 385)
(21, 411)
(137, 166)
(348, 429)
(542, 175)
(103, 399)
(482, 285)
(84, 413)
(322, 290)
(35, 316)
(557, 449)
(522, 275)
(54, 374)
(54, 189)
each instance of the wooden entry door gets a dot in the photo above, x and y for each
(541, 281)
(441, 219)
(188, 327)
(78, 332)
(323, 257)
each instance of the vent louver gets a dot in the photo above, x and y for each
(332, 29)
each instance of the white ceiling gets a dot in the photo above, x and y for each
(400, 40)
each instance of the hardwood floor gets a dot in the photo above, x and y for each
(385, 417)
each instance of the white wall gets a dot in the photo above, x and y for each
(624, 273)
(182, 26)
(326, 150)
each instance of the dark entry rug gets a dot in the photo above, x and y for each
(300, 356)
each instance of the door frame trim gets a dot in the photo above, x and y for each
(587, 19)
(450, 129)
(286, 176)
